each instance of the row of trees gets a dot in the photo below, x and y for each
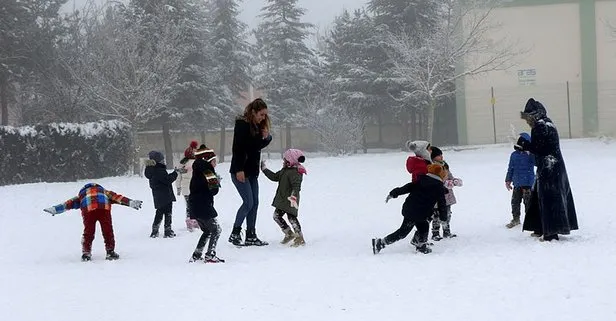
(185, 63)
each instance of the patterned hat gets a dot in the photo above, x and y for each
(205, 153)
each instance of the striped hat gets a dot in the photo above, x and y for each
(206, 153)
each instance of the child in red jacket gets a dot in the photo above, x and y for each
(95, 204)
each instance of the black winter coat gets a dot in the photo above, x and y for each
(552, 210)
(161, 183)
(201, 198)
(247, 148)
(423, 195)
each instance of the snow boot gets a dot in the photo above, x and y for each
(436, 236)
(112, 255)
(154, 234)
(236, 236)
(447, 234)
(423, 249)
(514, 222)
(86, 257)
(299, 240)
(288, 236)
(169, 233)
(377, 245)
(212, 258)
(196, 256)
(252, 239)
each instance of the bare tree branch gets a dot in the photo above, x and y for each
(463, 37)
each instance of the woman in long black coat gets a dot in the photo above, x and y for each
(552, 210)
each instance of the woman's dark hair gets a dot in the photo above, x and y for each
(249, 114)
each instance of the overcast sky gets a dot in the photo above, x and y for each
(319, 12)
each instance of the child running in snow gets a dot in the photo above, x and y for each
(417, 208)
(286, 201)
(520, 172)
(204, 185)
(450, 181)
(161, 184)
(95, 203)
(183, 182)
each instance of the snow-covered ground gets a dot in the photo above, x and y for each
(486, 273)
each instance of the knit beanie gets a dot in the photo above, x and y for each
(206, 153)
(295, 157)
(156, 156)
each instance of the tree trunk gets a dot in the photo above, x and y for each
(379, 120)
(288, 133)
(4, 101)
(136, 150)
(167, 141)
(364, 139)
(412, 125)
(202, 137)
(223, 140)
(430, 120)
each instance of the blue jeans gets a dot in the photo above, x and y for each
(249, 192)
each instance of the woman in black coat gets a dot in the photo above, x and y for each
(552, 210)
(250, 135)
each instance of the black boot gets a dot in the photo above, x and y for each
(423, 249)
(169, 233)
(196, 256)
(377, 245)
(252, 239)
(112, 255)
(236, 236)
(86, 257)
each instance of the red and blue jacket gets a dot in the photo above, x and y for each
(91, 197)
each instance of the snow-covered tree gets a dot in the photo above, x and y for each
(339, 125)
(230, 67)
(428, 63)
(28, 29)
(286, 65)
(129, 78)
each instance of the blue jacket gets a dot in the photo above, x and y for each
(521, 169)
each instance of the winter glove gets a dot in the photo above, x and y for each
(293, 200)
(458, 182)
(181, 170)
(508, 186)
(448, 184)
(179, 190)
(136, 204)
(263, 166)
(51, 210)
(389, 196)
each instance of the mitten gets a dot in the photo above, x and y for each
(51, 210)
(449, 184)
(136, 204)
(458, 182)
(293, 200)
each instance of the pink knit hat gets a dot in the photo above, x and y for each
(295, 157)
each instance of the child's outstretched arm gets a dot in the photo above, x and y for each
(116, 198)
(71, 204)
(406, 189)
(274, 177)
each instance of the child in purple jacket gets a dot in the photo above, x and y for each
(520, 173)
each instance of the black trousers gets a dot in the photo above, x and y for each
(406, 228)
(166, 212)
(520, 194)
(211, 230)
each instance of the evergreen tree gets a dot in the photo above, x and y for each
(230, 62)
(286, 65)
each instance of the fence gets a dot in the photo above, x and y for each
(493, 114)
